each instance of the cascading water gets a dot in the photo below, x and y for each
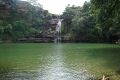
(58, 31)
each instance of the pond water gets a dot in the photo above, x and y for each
(68, 61)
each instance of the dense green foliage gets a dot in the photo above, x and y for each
(95, 21)
(107, 18)
(79, 23)
(19, 19)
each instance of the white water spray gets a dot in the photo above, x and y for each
(58, 31)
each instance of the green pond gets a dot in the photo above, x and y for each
(66, 61)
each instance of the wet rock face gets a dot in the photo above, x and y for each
(50, 30)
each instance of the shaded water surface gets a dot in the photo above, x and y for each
(59, 61)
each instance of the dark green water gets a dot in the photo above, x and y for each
(59, 61)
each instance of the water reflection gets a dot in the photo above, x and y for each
(56, 69)
(58, 61)
(42, 64)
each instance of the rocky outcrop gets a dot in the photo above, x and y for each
(4, 10)
(22, 6)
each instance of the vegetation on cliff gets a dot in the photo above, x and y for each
(95, 21)
(19, 19)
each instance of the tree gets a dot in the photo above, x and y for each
(96, 21)
(15, 12)
(79, 22)
(107, 18)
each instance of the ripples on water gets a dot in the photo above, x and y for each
(51, 62)
(54, 70)
(51, 73)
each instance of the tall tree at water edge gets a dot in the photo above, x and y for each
(107, 13)
(79, 23)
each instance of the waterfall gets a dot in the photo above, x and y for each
(58, 31)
